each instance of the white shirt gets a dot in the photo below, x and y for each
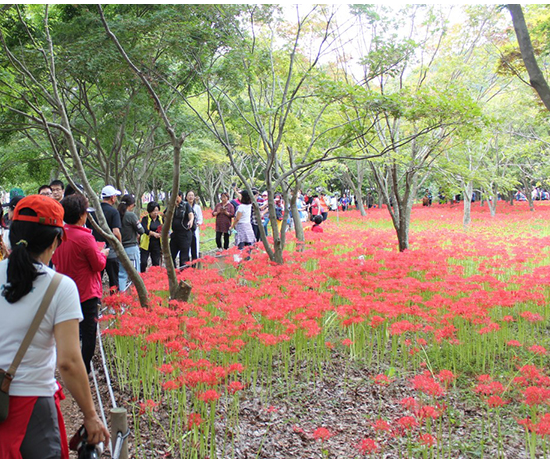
(35, 375)
(198, 213)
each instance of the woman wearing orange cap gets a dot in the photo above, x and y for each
(34, 425)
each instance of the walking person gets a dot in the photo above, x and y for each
(224, 212)
(149, 242)
(80, 258)
(34, 427)
(130, 230)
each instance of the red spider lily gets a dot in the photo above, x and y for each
(536, 349)
(171, 385)
(428, 411)
(382, 380)
(446, 376)
(514, 343)
(427, 384)
(347, 342)
(208, 396)
(234, 386)
(536, 395)
(381, 425)
(492, 388)
(194, 420)
(410, 404)
(322, 434)
(147, 407)
(542, 427)
(368, 446)
(407, 422)
(495, 401)
(427, 440)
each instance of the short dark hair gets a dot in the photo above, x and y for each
(74, 205)
(43, 187)
(152, 206)
(245, 197)
(57, 183)
(318, 219)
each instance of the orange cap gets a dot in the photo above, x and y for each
(48, 211)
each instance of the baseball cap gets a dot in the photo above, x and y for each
(16, 192)
(109, 191)
(48, 211)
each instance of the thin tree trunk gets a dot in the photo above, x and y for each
(536, 77)
(467, 189)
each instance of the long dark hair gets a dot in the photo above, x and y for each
(126, 201)
(245, 197)
(28, 241)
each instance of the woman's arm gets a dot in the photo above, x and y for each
(73, 372)
(237, 218)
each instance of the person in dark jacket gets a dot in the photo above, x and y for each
(182, 235)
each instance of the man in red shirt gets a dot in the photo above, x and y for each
(80, 258)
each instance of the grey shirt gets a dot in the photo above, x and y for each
(131, 227)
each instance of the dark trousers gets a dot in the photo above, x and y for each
(325, 215)
(88, 330)
(256, 230)
(153, 252)
(219, 240)
(180, 242)
(194, 254)
(112, 272)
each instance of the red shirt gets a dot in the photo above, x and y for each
(80, 258)
(317, 229)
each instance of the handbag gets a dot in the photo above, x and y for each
(6, 377)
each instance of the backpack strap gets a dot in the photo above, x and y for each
(35, 323)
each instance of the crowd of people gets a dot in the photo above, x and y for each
(51, 234)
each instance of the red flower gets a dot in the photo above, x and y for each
(322, 434)
(208, 396)
(194, 420)
(368, 446)
(495, 401)
(427, 439)
(536, 349)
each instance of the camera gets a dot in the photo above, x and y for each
(79, 443)
(234, 184)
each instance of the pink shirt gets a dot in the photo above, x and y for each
(80, 258)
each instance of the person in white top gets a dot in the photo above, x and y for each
(34, 421)
(193, 200)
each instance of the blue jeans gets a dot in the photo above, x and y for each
(133, 255)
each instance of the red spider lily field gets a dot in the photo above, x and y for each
(350, 349)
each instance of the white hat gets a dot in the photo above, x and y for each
(109, 191)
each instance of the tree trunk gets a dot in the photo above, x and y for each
(511, 197)
(528, 192)
(359, 198)
(467, 189)
(536, 77)
(493, 202)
